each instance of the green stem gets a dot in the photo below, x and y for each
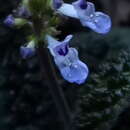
(47, 70)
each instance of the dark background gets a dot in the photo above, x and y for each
(102, 103)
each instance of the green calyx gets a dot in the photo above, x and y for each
(19, 22)
(25, 3)
(40, 7)
(43, 18)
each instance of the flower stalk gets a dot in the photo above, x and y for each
(48, 73)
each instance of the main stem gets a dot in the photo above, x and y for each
(47, 70)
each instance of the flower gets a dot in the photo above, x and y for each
(66, 58)
(97, 21)
(9, 21)
(85, 12)
(57, 3)
(28, 50)
(23, 12)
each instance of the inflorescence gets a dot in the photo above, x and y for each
(65, 57)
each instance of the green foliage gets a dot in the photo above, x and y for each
(104, 94)
(42, 18)
(40, 7)
(25, 103)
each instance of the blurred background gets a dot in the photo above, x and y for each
(102, 103)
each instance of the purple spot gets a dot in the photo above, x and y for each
(63, 51)
(57, 3)
(83, 4)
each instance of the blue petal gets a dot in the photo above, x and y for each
(27, 52)
(76, 73)
(63, 46)
(82, 4)
(71, 68)
(62, 61)
(100, 23)
(52, 42)
(68, 10)
(86, 12)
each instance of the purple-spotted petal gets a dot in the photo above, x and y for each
(58, 47)
(97, 21)
(62, 50)
(62, 61)
(71, 68)
(83, 4)
(84, 12)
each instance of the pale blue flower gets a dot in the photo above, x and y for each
(71, 68)
(97, 21)
(85, 12)
(9, 21)
(28, 51)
